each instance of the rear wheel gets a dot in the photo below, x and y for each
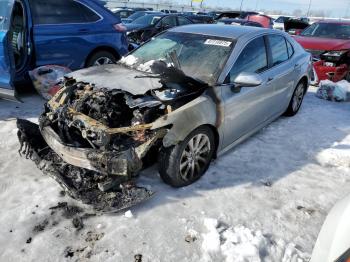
(186, 162)
(101, 58)
(296, 100)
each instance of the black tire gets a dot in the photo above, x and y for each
(170, 158)
(293, 109)
(100, 55)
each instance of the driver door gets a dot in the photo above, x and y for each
(7, 64)
(248, 107)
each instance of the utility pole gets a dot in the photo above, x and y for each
(240, 9)
(308, 10)
(256, 5)
(347, 10)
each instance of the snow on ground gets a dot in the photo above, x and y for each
(263, 201)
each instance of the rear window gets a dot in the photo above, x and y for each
(278, 48)
(5, 14)
(61, 12)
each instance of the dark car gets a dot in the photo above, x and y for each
(143, 28)
(167, 11)
(139, 14)
(235, 14)
(232, 21)
(69, 33)
(123, 12)
(200, 19)
(295, 26)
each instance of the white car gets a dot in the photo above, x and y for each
(279, 22)
(333, 242)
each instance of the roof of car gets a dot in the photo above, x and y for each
(340, 22)
(227, 31)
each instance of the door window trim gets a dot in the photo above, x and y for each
(270, 51)
(243, 48)
(79, 23)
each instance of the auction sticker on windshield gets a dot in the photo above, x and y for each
(217, 42)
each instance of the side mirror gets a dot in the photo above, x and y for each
(248, 80)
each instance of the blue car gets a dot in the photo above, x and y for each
(71, 33)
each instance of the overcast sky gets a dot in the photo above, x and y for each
(337, 8)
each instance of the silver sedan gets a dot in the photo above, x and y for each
(185, 96)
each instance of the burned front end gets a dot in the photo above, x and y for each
(332, 65)
(94, 140)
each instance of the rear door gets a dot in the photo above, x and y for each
(62, 32)
(282, 71)
(7, 68)
(183, 21)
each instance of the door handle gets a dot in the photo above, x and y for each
(84, 30)
(269, 79)
(296, 65)
(29, 48)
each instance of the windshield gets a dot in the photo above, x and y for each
(136, 15)
(198, 56)
(328, 30)
(147, 20)
(5, 13)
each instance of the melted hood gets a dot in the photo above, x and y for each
(117, 77)
(136, 82)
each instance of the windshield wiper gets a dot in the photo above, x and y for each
(159, 69)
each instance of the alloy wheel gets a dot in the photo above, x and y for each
(298, 97)
(195, 157)
(103, 61)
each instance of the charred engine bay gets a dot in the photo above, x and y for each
(114, 127)
(113, 109)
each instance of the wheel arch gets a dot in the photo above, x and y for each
(216, 137)
(102, 48)
(201, 111)
(304, 80)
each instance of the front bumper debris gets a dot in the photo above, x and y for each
(69, 167)
(333, 73)
(113, 163)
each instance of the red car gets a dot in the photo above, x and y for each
(329, 43)
(264, 20)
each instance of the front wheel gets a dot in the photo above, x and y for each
(186, 162)
(296, 100)
(101, 58)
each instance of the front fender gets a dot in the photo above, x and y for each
(198, 112)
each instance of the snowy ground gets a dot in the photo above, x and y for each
(263, 201)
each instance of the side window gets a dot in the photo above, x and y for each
(278, 49)
(290, 49)
(169, 21)
(61, 12)
(183, 20)
(253, 59)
